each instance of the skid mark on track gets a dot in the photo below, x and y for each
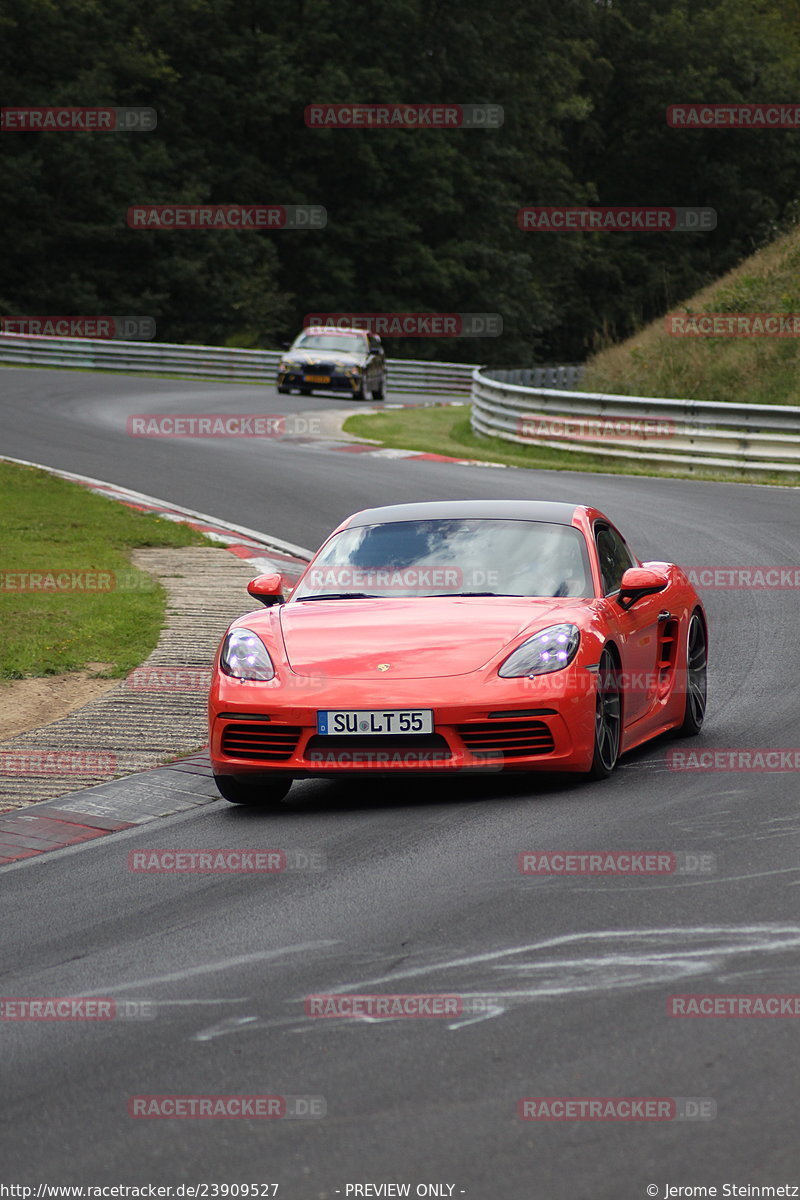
(571, 966)
(225, 964)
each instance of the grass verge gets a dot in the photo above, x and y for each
(52, 527)
(445, 429)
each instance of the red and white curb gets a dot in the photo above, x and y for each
(26, 835)
(371, 452)
(264, 552)
(334, 438)
(95, 812)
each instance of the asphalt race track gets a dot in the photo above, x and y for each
(421, 893)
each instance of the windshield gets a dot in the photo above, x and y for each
(350, 342)
(451, 557)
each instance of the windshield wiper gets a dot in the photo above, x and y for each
(339, 596)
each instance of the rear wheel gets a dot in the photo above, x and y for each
(696, 679)
(607, 718)
(283, 390)
(379, 392)
(305, 391)
(257, 791)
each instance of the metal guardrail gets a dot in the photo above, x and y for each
(700, 433)
(561, 378)
(211, 362)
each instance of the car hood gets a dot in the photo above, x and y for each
(424, 637)
(344, 358)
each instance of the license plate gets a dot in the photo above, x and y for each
(344, 721)
(318, 378)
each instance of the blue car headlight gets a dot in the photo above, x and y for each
(550, 649)
(244, 656)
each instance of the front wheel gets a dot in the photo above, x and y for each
(696, 679)
(607, 718)
(259, 792)
(364, 391)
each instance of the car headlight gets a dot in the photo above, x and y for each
(551, 649)
(244, 656)
(287, 364)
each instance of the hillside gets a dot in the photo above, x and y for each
(757, 370)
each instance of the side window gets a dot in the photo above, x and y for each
(615, 557)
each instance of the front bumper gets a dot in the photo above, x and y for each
(519, 725)
(336, 383)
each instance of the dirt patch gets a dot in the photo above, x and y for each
(27, 704)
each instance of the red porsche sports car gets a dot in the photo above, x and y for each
(440, 637)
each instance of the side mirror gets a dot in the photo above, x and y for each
(638, 582)
(267, 588)
(285, 345)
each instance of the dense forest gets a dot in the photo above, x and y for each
(418, 220)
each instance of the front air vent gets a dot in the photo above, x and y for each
(507, 739)
(260, 742)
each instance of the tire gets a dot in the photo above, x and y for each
(305, 391)
(283, 390)
(259, 792)
(608, 718)
(696, 678)
(364, 392)
(380, 393)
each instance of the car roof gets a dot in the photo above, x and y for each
(553, 511)
(331, 329)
